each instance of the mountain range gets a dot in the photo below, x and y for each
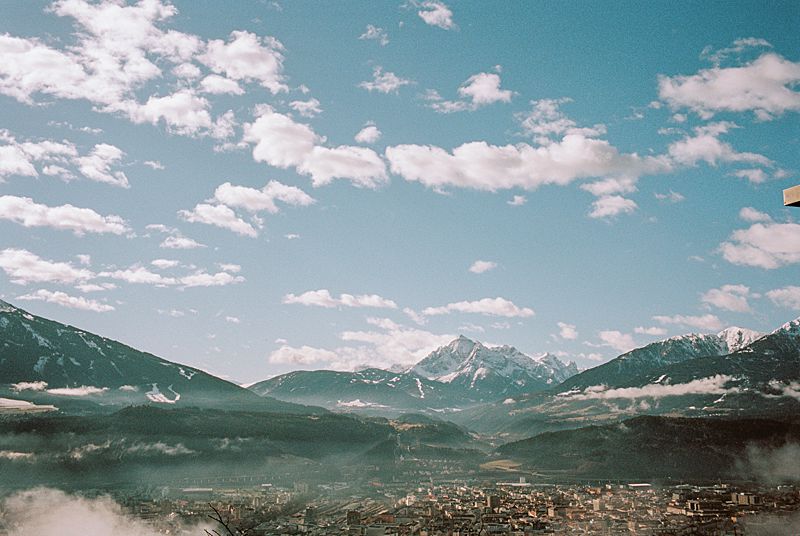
(714, 396)
(461, 374)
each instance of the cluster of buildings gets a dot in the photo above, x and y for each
(472, 509)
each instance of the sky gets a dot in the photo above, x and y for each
(305, 185)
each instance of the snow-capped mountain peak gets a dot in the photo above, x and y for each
(736, 338)
(501, 368)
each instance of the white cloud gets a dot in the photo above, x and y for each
(23, 267)
(228, 267)
(436, 13)
(749, 214)
(369, 134)
(29, 386)
(233, 320)
(377, 34)
(24, 211)
(384, 81)
(729, 298)
(164, 264)
(154, 164)
(478, 90)
(83, 390)
(220, 216)
(307, 108)
(713, 385)
(788, 297)
(219, 85)
(621, 342)
(706, 146)
(486, 306)
(546, 122)
(706, 322)
(479, 267)
(764, 87)
(46, 512)
(323, 298)
(671, 197)
(303, 355)
(264, 199)
(755, 176)
(654, 331)
(609, 206)
(96, 165)
(567, 331)
(282, 142)
(738, 46)
(481, 166)
(248, 57)
(183, 112)
(764, 245)
(65, 300)
(180, 242)
(517, 201)
(204, 279)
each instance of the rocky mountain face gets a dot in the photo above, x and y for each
(463, 373)
(43, 361)
(492, 372)
(735, 373)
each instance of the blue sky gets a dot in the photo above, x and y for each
(330, 185)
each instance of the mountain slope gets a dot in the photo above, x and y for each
(654, 447)
(459, 375)
(659, 354)
(692, 376)
(44, 361)
(492, 373)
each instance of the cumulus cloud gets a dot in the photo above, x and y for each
(788, 297)
(255, 200)
(219, 85)
(729, 298)
(219, 216)
(180, 242)
(567, 331)
(705, 146)
(546, 122)
(248, 57)
(653, 330)
(282, 142)
(517, 201)
(390, 344)
(26, 212)
(479, 267)
(22, 158)
(306, 108)
(764, 245)
(96, 165)
(712, 385)
(384, 81)
(323, 298)
(65, 300)
(481, 166)
(751, 215)
(706, 322)
(369, 134)
(436, 13)
(478, 90)
(23, 267)
(609, 206)
(375, 33)
(486, 306)
(764, 86)
(621, 342)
